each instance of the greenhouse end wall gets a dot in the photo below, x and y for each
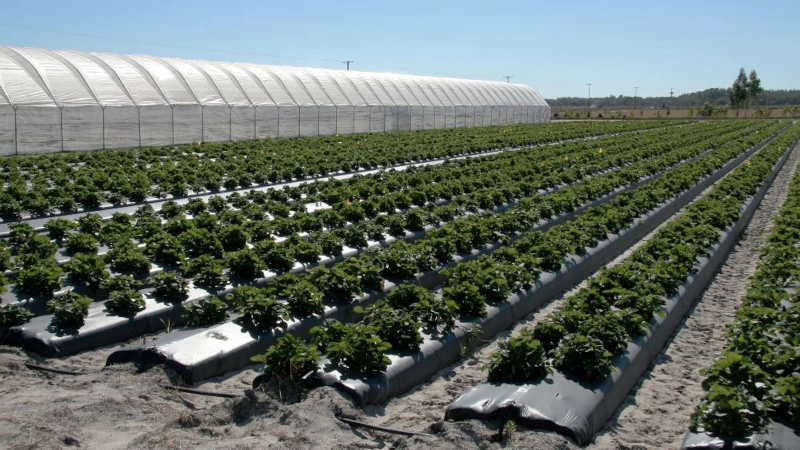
(53, 101)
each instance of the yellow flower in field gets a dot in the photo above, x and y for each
(541, 164)
(566, 158)
(756, 131)
(747, 163)
(600, 151)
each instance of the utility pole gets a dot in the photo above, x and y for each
(348, 62)
(508, 78)
(635, 92)
(589, 105)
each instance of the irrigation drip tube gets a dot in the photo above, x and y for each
(199, 354)
(200, 391)
(578, 408)
(53, 369)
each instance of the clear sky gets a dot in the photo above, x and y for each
(556, 47)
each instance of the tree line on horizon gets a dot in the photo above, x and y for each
(715, 96)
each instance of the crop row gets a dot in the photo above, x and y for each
(757, 379)
(620, 303)
(470, 286)
(471, 282)
(39, 184)
(225, 229)
(397, 261)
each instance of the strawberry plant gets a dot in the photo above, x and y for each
(398, 327)
(330, 331)
(38, 246)
(336, 283)
(41, 278)
(125, 303)
(164, 249)
(170, 286)
(277, 257)
(206, 312)
(90, 223)
(289, 358)
(519, 359)
(121, 283)
(126, 258)
(58, 228)
(81, 243)
(359, 350)
(87, 268)
(729, 411)
(304, 298)
(69, 310)
(21, 232)
(14, 316)
(436, 315)
(583, 356)
(262, 313)
(245, 264)
(206, 271)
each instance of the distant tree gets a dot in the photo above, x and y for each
(707, 110)
(754, 88)
(737, 94)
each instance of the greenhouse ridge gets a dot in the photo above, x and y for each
(53, 101)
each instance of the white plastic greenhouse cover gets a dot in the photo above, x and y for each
(52, 101)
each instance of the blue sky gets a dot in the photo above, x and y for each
(554, 46)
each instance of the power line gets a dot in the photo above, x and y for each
(348, 62)
(508, 78)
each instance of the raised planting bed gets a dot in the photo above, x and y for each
(197, 361)
(44, 183)
(100, 325)
(579, 405)
(410, 369)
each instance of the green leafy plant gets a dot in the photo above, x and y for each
(359, 350)
(396, 326)
(519, 359)
(58, 228)
(69, 311)
(245, 264)
(125, 303)
(126, 258)
(14, 316)
(304, 298)
(164, 249)
(263, 313)
(583, 356)
(206, 312)
(42, 278)
(729, 411)
(206, 271)
(170, 286)
(87, 268)
(289, 358)
(81, 243)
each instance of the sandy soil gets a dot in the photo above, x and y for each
(119, 407)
